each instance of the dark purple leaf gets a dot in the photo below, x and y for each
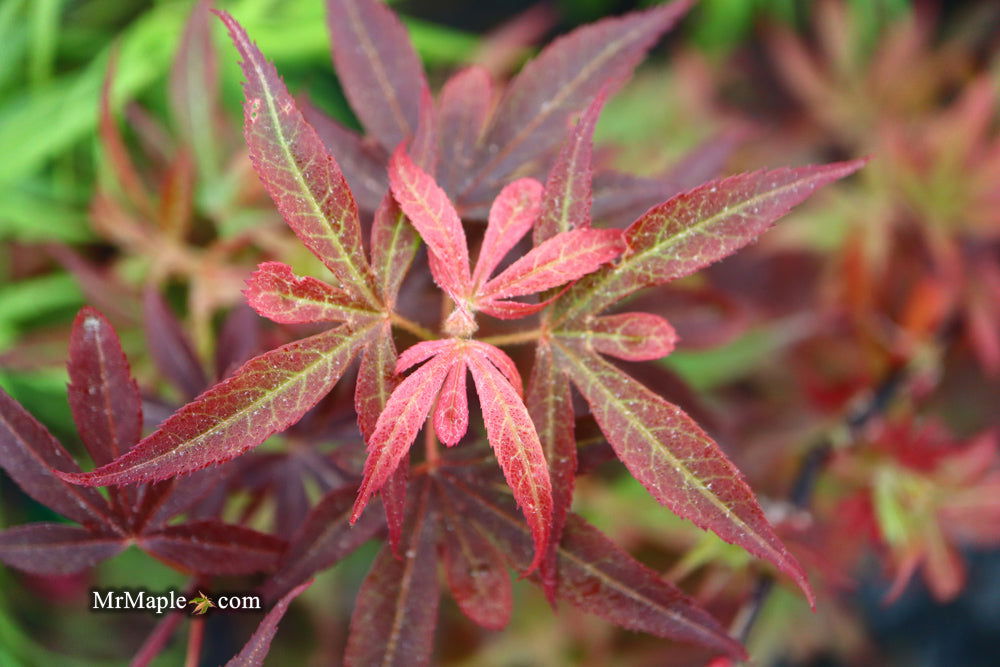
(531, 117)
(212, 547)
(324, 538)
(256, 649)
(396, 610)
(169, 346)
(32, 457)
(378, 68)
(103, 396)
(56, 548)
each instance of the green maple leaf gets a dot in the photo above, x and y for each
(201, 603)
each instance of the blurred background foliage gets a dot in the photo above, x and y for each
(913, 85)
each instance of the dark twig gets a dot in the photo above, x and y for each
(811, 467)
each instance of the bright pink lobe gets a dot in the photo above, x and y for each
(567, 199)
(430, 211)
(451, 414)
(513, 213)
(512, 310)
(301, 176)
(422, 351)
(515, 442)
(276, 293)
(398, 425)
(561, 259)
(503, 362)
(633, 336)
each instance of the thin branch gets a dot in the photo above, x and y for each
(814, 461)
(196, 637)
(516, 338)
(417, 330)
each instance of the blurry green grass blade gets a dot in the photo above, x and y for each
(440, 45)
(38, 125)
(722, 24)
(30, 216)
(704, 369)
(42, 392)
(44, 31)
(31, 299)
(13, 39)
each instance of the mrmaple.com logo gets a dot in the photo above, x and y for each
(142, 600)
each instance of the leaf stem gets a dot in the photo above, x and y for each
(516, 338)
(431, 447)
(195, 639)
(417, 330)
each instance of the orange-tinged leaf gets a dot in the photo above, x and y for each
(451, 414)
(511, 216)
(276, 293)
(398, 425)
(430, 211)
(266, 395)
(557, 261)
(194, 91)
(518, 450)
(677, 462)
(302, 178)
(629, 336)
(696, 228)
(130, 182)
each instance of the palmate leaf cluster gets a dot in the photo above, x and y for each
(429, 171)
